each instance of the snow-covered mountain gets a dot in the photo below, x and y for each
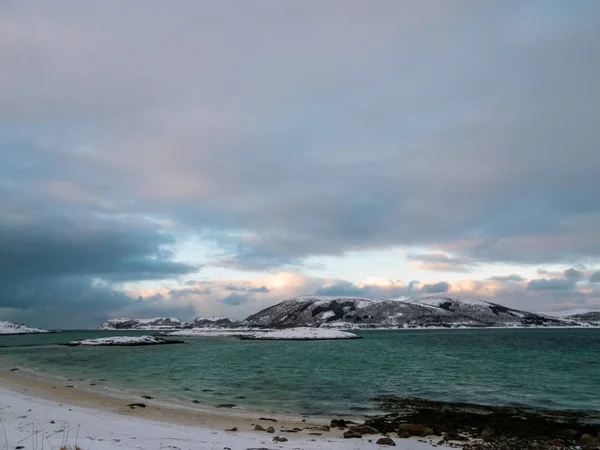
(590, 317)
(157, 323)
(215, 322)
(15, 328)
(423, 312)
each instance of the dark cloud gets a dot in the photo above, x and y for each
(63, 272)
(595, 277)
(551, 284)
(436, 288)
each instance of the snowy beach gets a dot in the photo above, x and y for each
(34, 410)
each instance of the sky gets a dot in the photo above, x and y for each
(200, 158)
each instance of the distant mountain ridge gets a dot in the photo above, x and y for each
(157, 323)
(435, 311)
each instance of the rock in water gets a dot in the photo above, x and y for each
(280, 439)
(270, 430)
(386, 441)
(415, 429)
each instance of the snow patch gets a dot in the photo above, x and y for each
(304, 333)
(14, 328)
(121, 340)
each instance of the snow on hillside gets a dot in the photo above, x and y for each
(435, 311)
(157, 323)
(14, 328)
(215, 322)
(212, 332)
(302, 334)
(123, 341)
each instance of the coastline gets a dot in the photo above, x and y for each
(31, 403)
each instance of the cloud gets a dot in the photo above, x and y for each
(507, 278)
(437, 288)
(437, 131)
(343, 289)
(235, 299)
(260, 289)
(301, 182)
(440, 262)
(574, 275)
(552, 284)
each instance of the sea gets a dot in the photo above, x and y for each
(540, 368)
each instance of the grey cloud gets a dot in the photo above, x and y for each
(595, 277)
(235, 299)
(259, 290)
(507, 278)
(333, 172)
(343, 288)
(552, 284)
(574, 275)
(442, 262)
(283, 132)
(437, 288)
(75, 303)
(68, 250)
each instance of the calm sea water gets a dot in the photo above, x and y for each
(552, 368)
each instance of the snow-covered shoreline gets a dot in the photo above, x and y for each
(15, 328)
(28, 417)
(288, 334)
(302, 334)
(123, 341)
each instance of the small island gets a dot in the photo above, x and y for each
(301, 334)
(124, 341)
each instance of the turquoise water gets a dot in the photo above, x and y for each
(551, 368)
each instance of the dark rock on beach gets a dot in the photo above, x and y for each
(415, 429)
(487, 427)
(339, 423)
(352, 435)
(386, 441)
(364, 429)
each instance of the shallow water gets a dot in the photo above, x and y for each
(551, 368)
